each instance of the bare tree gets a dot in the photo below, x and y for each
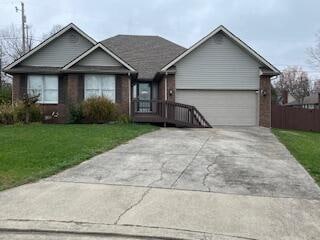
(316, 86)
(11, 46)
(11, 43)
(314, 53)
(56, 28)
(295, 81)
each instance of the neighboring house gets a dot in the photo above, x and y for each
(309, 102)
(147, 76)
(285, 97)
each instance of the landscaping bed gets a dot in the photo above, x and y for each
(30, 152)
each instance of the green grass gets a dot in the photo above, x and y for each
(305, 147)
(30, 152)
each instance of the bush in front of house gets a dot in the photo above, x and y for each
(124, 118)
(76, 115)
(99, 110)
(24, 111)
(14, 113)
(27, 114)
(5, 93)
(7, 113)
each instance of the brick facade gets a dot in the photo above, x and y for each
(122, 98)
(16, 89)
(265, 102)
(71, 86)
(171, 88)
(75, 88)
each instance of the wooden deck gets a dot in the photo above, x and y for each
(157, 111)
(148, 117)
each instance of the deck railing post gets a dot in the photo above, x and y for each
(192, 115)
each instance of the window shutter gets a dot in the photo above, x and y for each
(62, 86)
(118, 89)
(23, 86)
(81, 88)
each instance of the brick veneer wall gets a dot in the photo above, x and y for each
(122, 98)
(16, 87)
(265, 102)
(73, 89)
(161, 89)
(171, 86)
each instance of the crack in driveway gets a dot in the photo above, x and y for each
(194, 157)
(204, 180)
(161, 173)
(132, 206)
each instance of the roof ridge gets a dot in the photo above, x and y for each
(138, 35)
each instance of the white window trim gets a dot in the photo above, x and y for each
(43, 89)
(100, 89)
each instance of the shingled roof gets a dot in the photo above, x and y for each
(147, 54)
(312, 99)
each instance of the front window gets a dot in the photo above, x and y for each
(100, 85)
(44, 85)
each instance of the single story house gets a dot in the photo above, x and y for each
(219, 80)
(309, 102)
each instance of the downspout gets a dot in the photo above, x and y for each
(129, 87)
(165, 87)
(165, 97)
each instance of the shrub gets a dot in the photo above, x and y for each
(76, 115)
(19, 112)
(99, 110)
(7, 113)
(5, 93)
(124, 118)
(32, 112)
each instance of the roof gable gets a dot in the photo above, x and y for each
(95, 56)
(98, 57)
(231, 36)
(71, 28)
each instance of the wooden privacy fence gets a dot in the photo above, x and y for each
(295, 118)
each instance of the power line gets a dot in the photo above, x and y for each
(16, 38)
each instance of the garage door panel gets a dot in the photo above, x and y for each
(238, 108)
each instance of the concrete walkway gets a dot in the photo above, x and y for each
(222, 183)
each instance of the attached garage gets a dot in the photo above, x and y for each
(227, 81)
(238, 108)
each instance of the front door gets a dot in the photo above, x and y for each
(144, 96)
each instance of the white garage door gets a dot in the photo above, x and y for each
(238, 108)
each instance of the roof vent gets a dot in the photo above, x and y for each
(218, 39)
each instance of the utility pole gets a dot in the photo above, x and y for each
(23, 20)
(23, 26)
(27, 37)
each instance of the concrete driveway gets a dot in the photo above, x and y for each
(221, 183)
(248, 161)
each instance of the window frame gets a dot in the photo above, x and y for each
(100, 89)
(43, 87)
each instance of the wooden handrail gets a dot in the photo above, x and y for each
(171, 112)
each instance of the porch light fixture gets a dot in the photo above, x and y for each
(263, 92)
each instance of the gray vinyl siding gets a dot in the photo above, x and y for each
(219, 63)
(60, 51)
(98, 58)
(235, 108)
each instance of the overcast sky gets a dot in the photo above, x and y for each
(280, 30)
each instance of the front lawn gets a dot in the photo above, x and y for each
(30, 152)
(305, 147)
